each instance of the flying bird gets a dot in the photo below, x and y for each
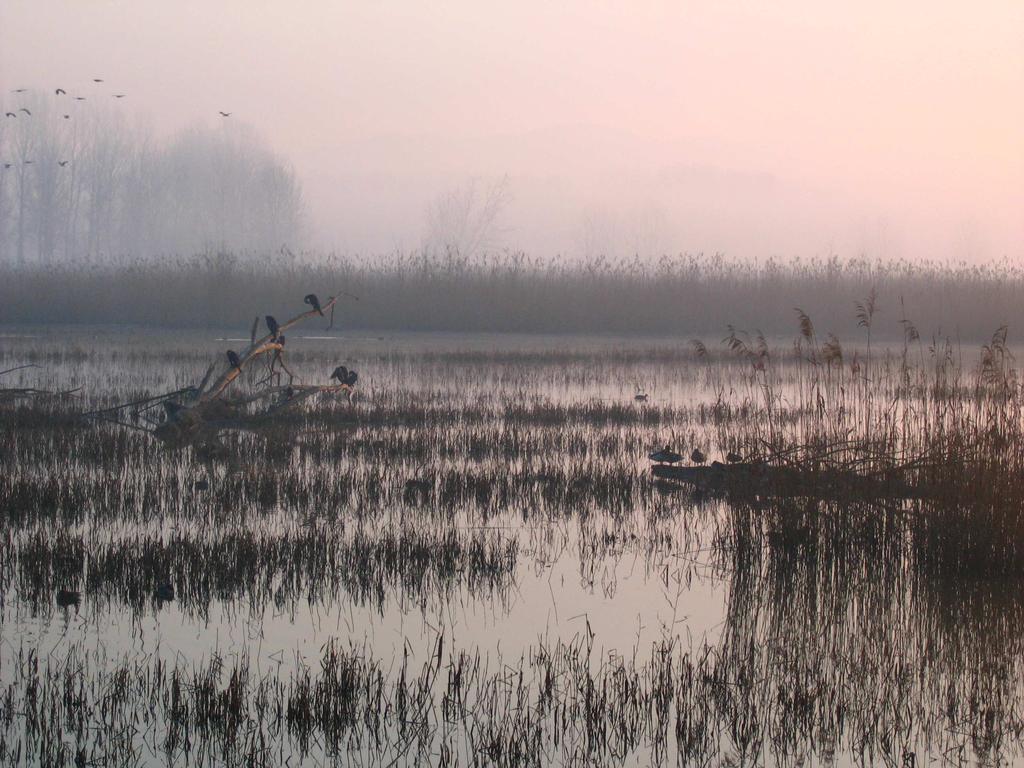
(225, 114)
(29, 162)
(61, 92)
(272, 326)
(233, 359)
(7, 165)
(23, 109)
(665, 456)
(314, 302)
(120, 95)
(79, 98)
(19, 90)
(97, 80)
(9, 114)
(697, 457)
(67, 117)
(62, 163)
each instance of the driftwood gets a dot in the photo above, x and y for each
(761, 479)
(10, 394)
(197, 415)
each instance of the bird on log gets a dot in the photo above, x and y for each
(666, 456)
(314, 302)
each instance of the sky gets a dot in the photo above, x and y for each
(756, 129)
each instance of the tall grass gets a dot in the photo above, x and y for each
(679, 296)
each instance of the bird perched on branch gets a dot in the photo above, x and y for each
(345, 376)
(314, 302)
(233, 359)
(272, 326)
(733, 458)
(172, 408)
(697, 457)
(665, 456)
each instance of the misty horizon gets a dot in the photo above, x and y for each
(767, 132)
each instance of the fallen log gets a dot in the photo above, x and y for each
(761, 479)
(197, 415)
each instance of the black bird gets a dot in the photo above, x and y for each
(697, 457)
(120, 95)
(665, 456)
(233, 359)
(225, 114)
(202, 485)
(97, 80)
(272, 325)
(7, 165)
(314, 302)
(61, 92)
(280, 339)
(29, 162)
(9, 114)
(67, 597)
(172, 408)
(345, 376)
(733, 458)
(79, 98)
(640, 397)
(25, 110)
(164, 592)
(19, 90)
(62, 163)
(67, 117)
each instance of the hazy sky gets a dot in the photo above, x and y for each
(754, 128)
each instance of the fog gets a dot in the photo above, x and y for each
(748, 128)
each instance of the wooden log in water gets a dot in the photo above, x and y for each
(768, 480)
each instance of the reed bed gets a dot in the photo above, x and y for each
(463, 480)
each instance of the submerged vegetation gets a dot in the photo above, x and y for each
(468, 561)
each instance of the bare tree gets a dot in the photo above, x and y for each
(465, 220)
(93, 185)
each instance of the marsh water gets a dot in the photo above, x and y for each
(482, 503)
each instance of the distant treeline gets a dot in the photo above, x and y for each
(685, 297)
(78, 180)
